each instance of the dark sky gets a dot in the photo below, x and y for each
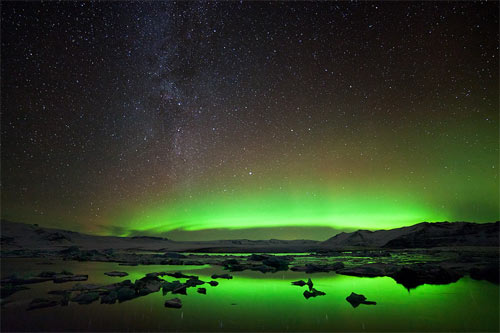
(284, 118)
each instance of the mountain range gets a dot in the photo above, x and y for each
(421, 235)
(17, 236)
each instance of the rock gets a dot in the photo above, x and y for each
(108, 252)
(230, 262)
(313, 293)
(415, 275)
(65, 294)
(142, 292)
(156, 274)
(213, 283)
(221, 276)
(234, 266)
(489, 273)
(116, 273)
(124, 283)
(16, 280)
(70, 278)
(86, 297)
(309, 283)
(271, 264)
(179, 275)
(125, 294)
(65, 298)
(116, 286)
(262, 268)
(110, 298)
(299, 283)
(58, 292)
(149, 284)
(314, 268)
(80, 287)
(357, 299)
(170, 286)
(327, 253)
(194, 262)
(182, 289)
(174, 255)
(194, 282)
(277, 263)
(47, 274)
(370, 270)
(175, 262)
(8, 289)
(202, 290)
(175, 303)
(258, 257)
(409, 276)
(39, 303)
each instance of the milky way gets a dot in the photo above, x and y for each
(152, 117)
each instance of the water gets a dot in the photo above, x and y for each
(253, 301)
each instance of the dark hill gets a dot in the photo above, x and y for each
(422, 235)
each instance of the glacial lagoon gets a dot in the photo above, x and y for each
(253, 301)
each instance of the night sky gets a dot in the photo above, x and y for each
(258, 120)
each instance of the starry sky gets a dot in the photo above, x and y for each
(211, 120)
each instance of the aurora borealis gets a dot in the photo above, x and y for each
(158, 117)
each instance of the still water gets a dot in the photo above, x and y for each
(253, 301)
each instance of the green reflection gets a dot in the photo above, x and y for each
(253, 301)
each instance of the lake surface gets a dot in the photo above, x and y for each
(253, 301)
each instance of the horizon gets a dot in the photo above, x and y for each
(243, 234)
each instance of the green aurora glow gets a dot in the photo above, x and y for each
(334, 123)
(274, 210)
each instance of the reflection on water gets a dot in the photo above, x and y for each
(253, 301)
